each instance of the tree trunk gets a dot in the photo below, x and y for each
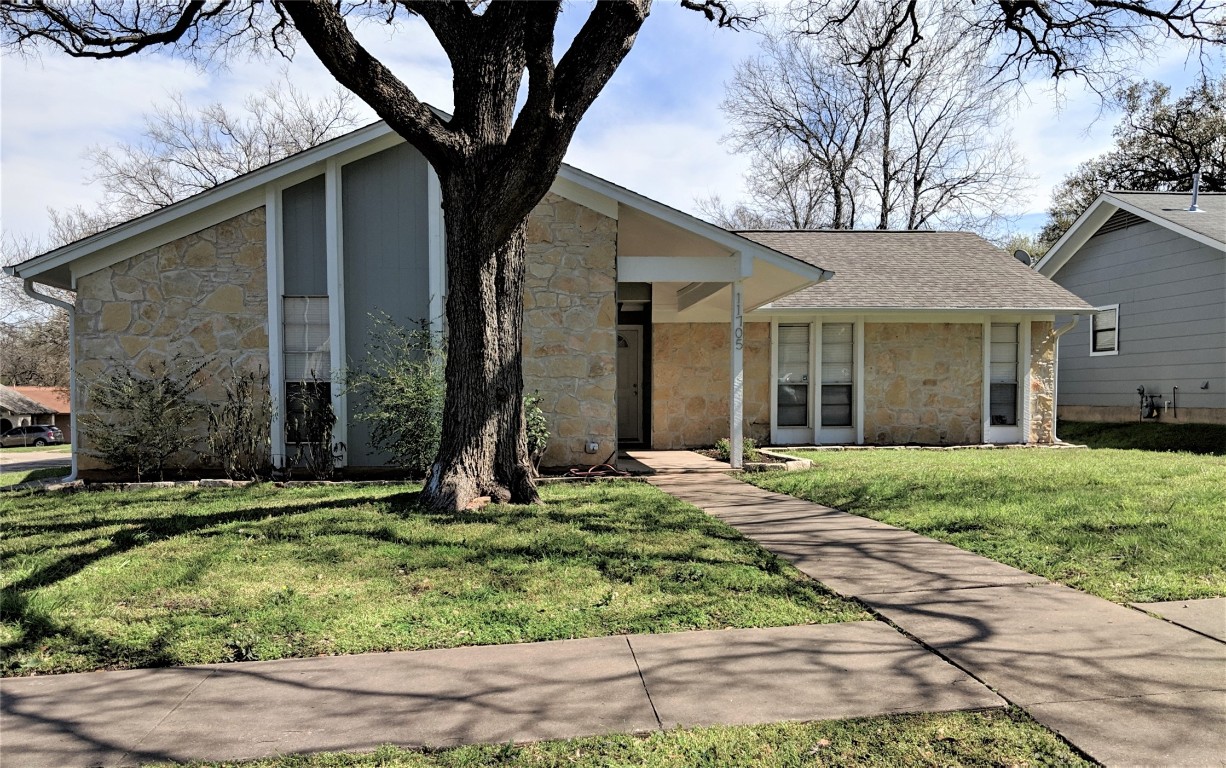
(484, 449)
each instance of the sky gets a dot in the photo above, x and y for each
(656, 128)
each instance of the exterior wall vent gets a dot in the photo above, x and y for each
(1121, 219)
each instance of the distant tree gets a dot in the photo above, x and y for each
(34, 353)
(496, 156)
(1159, 143)
(183, 150)
(890, 139)
(1028, 243)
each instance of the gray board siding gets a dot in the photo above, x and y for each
(386, 251)
(1172, 320)
(303, 239)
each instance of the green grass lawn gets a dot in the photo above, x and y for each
(182, 576)
(1007, 738)
(1124, 525)
(1207, 439)
(26, 475)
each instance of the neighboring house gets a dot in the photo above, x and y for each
(18, 410)
(54, 399)
(1156, 272)
(638, 321)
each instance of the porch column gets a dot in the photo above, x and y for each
(736, 397)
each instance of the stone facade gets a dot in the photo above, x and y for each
(1042, 383)
(570, 328)
(202, 298)
(923, 383)
(691, 379)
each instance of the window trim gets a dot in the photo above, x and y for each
(1115, 349)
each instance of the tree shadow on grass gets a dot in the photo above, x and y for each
(18, 603)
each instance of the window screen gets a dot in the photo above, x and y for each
(1003, 391)
(837, 377)
(308, 363)
(793, 364)
(1104, 330)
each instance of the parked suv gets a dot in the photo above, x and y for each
(38, 434)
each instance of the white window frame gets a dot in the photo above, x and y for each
(1115, 349)
(1011, 433)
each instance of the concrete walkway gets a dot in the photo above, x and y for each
(486, 694)
(1126, 688)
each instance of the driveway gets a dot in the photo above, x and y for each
(23, 461)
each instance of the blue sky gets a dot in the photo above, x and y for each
(655, 129)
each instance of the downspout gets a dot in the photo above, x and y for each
(28, 286)
(1055, 383)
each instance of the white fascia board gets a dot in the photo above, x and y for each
(729, 240)
(1122, 202)
(1094, 217)
(904, 315)
(583, 195)
(1071, 241)
(246, 185)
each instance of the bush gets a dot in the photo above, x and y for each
(749, 449)
(239, 439)
(401, 388)
(136, 422)
(537, 428)
(311, 419)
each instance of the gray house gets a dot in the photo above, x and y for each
(1156, 272)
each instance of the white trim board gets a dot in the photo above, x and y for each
(1088, 223)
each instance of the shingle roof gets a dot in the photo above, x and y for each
(1210, 220)
(875, 269)
(17, 403)
(53, 398)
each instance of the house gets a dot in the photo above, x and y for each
(1156, 272)
(19, 410)
(643, 325)
(55, 400)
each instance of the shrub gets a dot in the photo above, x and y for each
(136, 421)
(239, 440)
(400, 388)
(310, 420)
(537, 428)
(749, 449)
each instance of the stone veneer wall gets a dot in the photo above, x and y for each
(690, 380)
(570, 328)
(923, 383)
(1042, 382)
(203, 298)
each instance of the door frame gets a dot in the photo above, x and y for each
(643, 401)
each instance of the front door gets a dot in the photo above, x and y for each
(630, 384)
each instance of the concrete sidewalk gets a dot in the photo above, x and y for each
(485, 694)
(1126, 688)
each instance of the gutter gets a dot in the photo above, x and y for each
(28, 286)
(1055, 384)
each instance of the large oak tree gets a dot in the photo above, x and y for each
(494, 163)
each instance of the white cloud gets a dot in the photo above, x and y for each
(655, 128)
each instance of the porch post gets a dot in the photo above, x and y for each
(736, 398)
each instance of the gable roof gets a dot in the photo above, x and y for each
(913, 270)
(15, 402)
(53, 398)
(1166, 209)
(245, 192)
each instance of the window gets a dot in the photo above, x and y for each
(1003, 394)
(837, 378)
(1104, 339)
(793, 395)
(308, 363)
